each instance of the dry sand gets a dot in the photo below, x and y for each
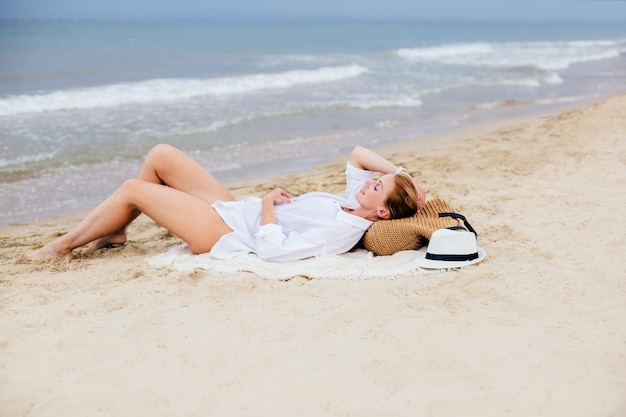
(537, 329)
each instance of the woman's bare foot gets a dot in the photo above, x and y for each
(107, 241)
(48, 252)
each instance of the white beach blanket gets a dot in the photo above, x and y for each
(360, 264)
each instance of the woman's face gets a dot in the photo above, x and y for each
(374, 193)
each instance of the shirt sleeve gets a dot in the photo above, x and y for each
(272, 244)
(355, 178)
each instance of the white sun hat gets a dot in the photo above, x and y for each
(451, 249)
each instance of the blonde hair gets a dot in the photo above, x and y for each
(402, 201)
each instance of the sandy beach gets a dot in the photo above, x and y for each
(536, 329)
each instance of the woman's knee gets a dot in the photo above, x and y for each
(129, 188)
(160, 152)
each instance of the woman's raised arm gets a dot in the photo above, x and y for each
(367, 159)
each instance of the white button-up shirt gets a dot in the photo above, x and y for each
(312, 224)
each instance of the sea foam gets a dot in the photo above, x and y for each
(542, 55)
(159, 90)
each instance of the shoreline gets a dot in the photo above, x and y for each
(423, 144)
(534, 329)
(85, 188)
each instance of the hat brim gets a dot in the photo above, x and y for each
(432, 264)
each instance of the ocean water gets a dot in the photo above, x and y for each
(81, 102)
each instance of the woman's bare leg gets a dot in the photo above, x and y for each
(186, 216)
(164, 167)
(169, 166)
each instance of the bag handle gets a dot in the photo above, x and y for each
(460, 217)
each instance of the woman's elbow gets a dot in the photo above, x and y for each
(356, 156)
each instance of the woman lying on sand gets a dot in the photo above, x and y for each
(180, 195)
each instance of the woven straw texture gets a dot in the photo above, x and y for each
(386, 237)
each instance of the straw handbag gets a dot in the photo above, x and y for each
(386, 237)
